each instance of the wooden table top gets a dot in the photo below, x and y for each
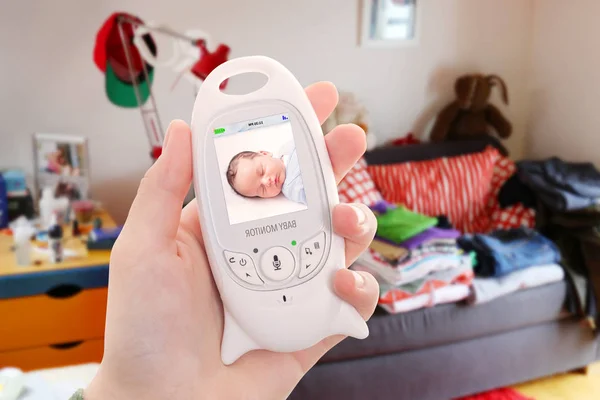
(82, 258)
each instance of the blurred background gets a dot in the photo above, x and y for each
(88, 88)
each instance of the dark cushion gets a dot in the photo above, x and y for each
(430, 151)
(450, 323)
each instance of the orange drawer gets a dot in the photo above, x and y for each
(57, 317)
(54, 356)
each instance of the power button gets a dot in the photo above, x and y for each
(277, 263)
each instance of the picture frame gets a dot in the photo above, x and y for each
(61, 161)
(390, 23)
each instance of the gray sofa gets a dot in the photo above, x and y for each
(454, 350)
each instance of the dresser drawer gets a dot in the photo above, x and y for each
(54, 356)
(63, 314)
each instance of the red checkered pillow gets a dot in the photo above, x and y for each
(510, 217)
(503, 170)
(358, 186)
(457, 187)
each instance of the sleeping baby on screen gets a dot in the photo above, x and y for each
(262, 174)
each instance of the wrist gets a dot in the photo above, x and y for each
(104, 388)
(109, 385)
(97, 390)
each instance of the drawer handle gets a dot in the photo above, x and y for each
(67, 345)
(63, 291)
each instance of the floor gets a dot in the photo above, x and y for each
(57, 383)
(571, 386)
(65, 381)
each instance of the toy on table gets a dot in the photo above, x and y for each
(470, 115)
(103, 238)
(84, 210)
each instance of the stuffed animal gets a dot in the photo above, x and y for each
(470, 115)
(350, 111)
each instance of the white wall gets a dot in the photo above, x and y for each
(565, 120)
(48, 81)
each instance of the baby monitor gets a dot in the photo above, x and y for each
(266, 190)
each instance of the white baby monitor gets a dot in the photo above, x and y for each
(266, 190)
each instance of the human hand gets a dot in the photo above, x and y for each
(164, 319)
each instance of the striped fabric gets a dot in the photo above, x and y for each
(457, 187)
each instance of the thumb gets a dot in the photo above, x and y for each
(156, 210)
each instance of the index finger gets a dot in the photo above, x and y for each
(345, 143)
(324, 98)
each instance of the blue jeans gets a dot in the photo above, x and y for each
(503, 252)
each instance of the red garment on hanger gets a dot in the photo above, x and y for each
(108, 42)
(209, 61)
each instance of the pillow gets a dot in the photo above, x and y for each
(512, 216)
(503, 170)
(358, 186)
(458, 187)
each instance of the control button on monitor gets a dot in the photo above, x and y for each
(311, 253)
(277, 263)
(242, 265)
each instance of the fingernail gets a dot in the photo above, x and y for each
(166, 140)
(359, 281)
(360, 214)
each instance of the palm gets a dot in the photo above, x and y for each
(198, 297)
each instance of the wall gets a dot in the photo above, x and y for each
(49, 83)
(565, 81)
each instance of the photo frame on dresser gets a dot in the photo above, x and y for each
(61, 161)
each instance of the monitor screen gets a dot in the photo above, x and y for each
(259, 168)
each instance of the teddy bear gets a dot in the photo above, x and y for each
(350, 110)
(470, 115)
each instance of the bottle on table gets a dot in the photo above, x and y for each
(55, 240)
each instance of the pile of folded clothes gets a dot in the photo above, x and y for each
(511, 260)
(562, 186)
(568, 199)
(416, 260)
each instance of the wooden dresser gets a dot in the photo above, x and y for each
(53, 314)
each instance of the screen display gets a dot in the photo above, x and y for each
(259, 168)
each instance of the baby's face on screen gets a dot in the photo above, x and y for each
(261, 176)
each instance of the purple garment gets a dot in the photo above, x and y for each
(427, 235)
(382, 207)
